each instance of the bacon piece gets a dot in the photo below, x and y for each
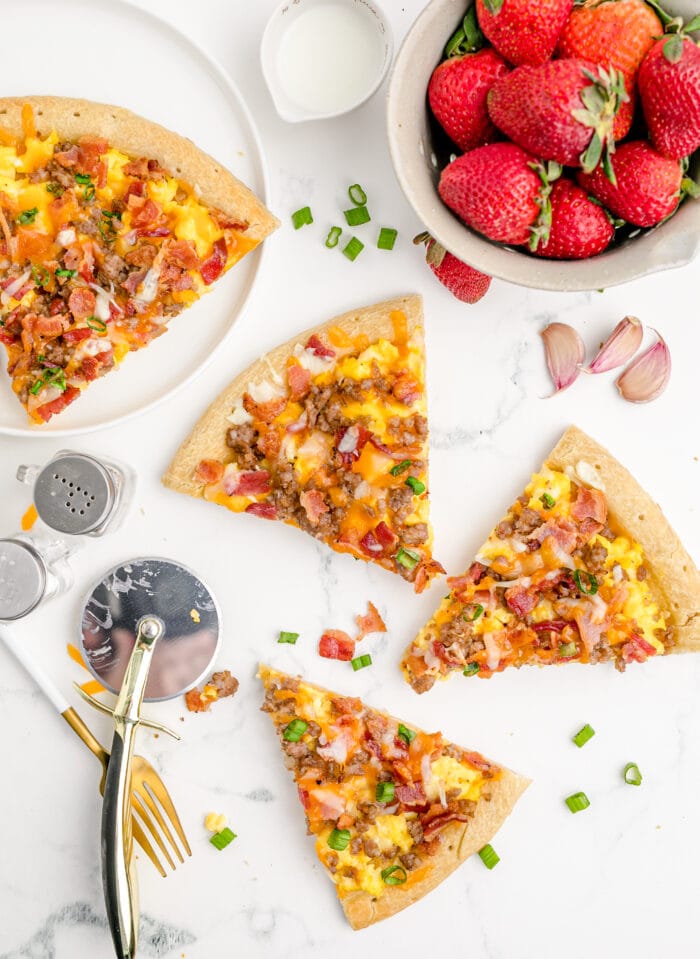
(209, 471)
(82, 303)
(89, 367)
(303, 797)
(386, 536)
(247, 483)
(442, 652)
(144, 168)
(100, 174)
(336, 644)
(265, 412)
(425, 572)
(67, 158)
(90, 149)
(135, 188)
(269, 443)
(349, 443)
(590, 504)
(134, 280)
(549, 625)
(158, 231)
(213, 266)
(181, 253)
(370, 545)
(406, 388)
(50, 325)
(520, 600)
(263, 510)
(47, 410)
(637, 650)
(478, 762)
(437, 822)
(225, 222)
(372, 622)
(174, 278)
(412, 795)
(144, 213)
(314, 505)
(472, 577)
(299, 380)
(316, 346)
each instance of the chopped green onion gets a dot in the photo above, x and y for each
(288, 637)
(489, 856)
(471, 669)
(295, 730)
(109, 214)
(401, 467)
(333, 236)
(386, 238)
(592, 583)
(407, 558)
(408, 735)
(385, 792)
(583, 735)
(83, 178)
(360, 662)
(394, 875)
(353, 248)
(37, 386)
(357, 194)
(96, 324)
(357, 215)
(69, 274)
(55, 188)
(220, 840)
(89, 192)
(632, 775)
(568, 649)
(339, 839)
(302, 217)
(416, 485)
(40, 275)
(547, 501)
(478, 610)
(28, 216)
(577, 802)
(53, 377)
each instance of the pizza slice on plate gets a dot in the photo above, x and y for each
(394, 810)
(583, 568)
(328, 432)
(110, 225)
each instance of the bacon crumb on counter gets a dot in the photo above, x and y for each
(221, 685)
(371, 622)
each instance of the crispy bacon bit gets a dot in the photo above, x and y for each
(50, 325)
(478, 762)
(520, 600)
(269, 443)
(425, 572)
(90, 149)
(589, 528)
(637, 650)
(174, 278)
(299, 380)
(386, 536)
(89, 368)
(590, 503)
(316, 345)
(181, 253)
(472, 577)
(406, 389)
(437, 822)
(549, 626)
(220, 686)
(441, 651)
(314, 505)
(145, 168)
(209, 471)
(372, 622)
(246, 483)
(370, 544)
(349, 442)
(47, 410)
(134, 280)
(213, 266)
(265, 412)
(145, 212)
(225, 222)
(82, 303)
(159, 231)
(263, 510)
(67, 158)
(412, 795)
(135, 188)
(336, 644)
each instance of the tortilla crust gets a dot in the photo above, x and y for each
(137, 137)
(459, 840)
(208, 438)
(674, 577)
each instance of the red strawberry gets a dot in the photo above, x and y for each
(523, 31)
(579, 228)
(462, 280)
(648, 185)
(562, 110)
(457, 96)
(499, 190)
(669, 85)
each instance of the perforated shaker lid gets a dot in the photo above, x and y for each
(74, 494)
(22, 579)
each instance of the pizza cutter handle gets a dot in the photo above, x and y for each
(21, 653)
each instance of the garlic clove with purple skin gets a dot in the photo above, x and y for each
(564, 352)
(647, 376)
(620, 346)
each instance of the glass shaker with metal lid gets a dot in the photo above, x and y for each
(33, 567)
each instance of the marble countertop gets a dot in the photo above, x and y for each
(616, 880)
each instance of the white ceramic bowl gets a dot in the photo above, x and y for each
(672, 244)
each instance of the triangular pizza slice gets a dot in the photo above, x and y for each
(583, 568)
(394, 810)
(110, 225)
(328, 432)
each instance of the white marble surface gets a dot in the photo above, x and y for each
(616, 880)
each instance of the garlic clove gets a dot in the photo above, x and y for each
(565, 352)
(647, 376)
(620, 346)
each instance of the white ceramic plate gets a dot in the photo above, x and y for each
(112, 52)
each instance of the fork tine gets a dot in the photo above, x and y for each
(137, 805)
(157, 787)
(147, 798)
(141, 839)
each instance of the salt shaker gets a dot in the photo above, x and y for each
(33, 568)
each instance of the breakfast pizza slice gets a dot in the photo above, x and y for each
(583, 568)
(394, 810)
(110, 225)
(328, 432)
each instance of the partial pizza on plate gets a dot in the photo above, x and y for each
(328, 432)
(394, 810)
(583, 568)
(110, 225)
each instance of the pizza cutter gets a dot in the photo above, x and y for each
(150, 630)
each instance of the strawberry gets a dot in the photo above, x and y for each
(580, 228)
(669, 86)
(523, 31)
(499, 190)
(612, 33)
(562, 110)
(462, 280)
(457, 95)
(648, 185)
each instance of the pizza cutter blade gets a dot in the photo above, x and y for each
(149, 630)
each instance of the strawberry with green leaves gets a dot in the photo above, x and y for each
(523, 31)
(579, 227)
(463, 281)
(563, 110)
(669, 86)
